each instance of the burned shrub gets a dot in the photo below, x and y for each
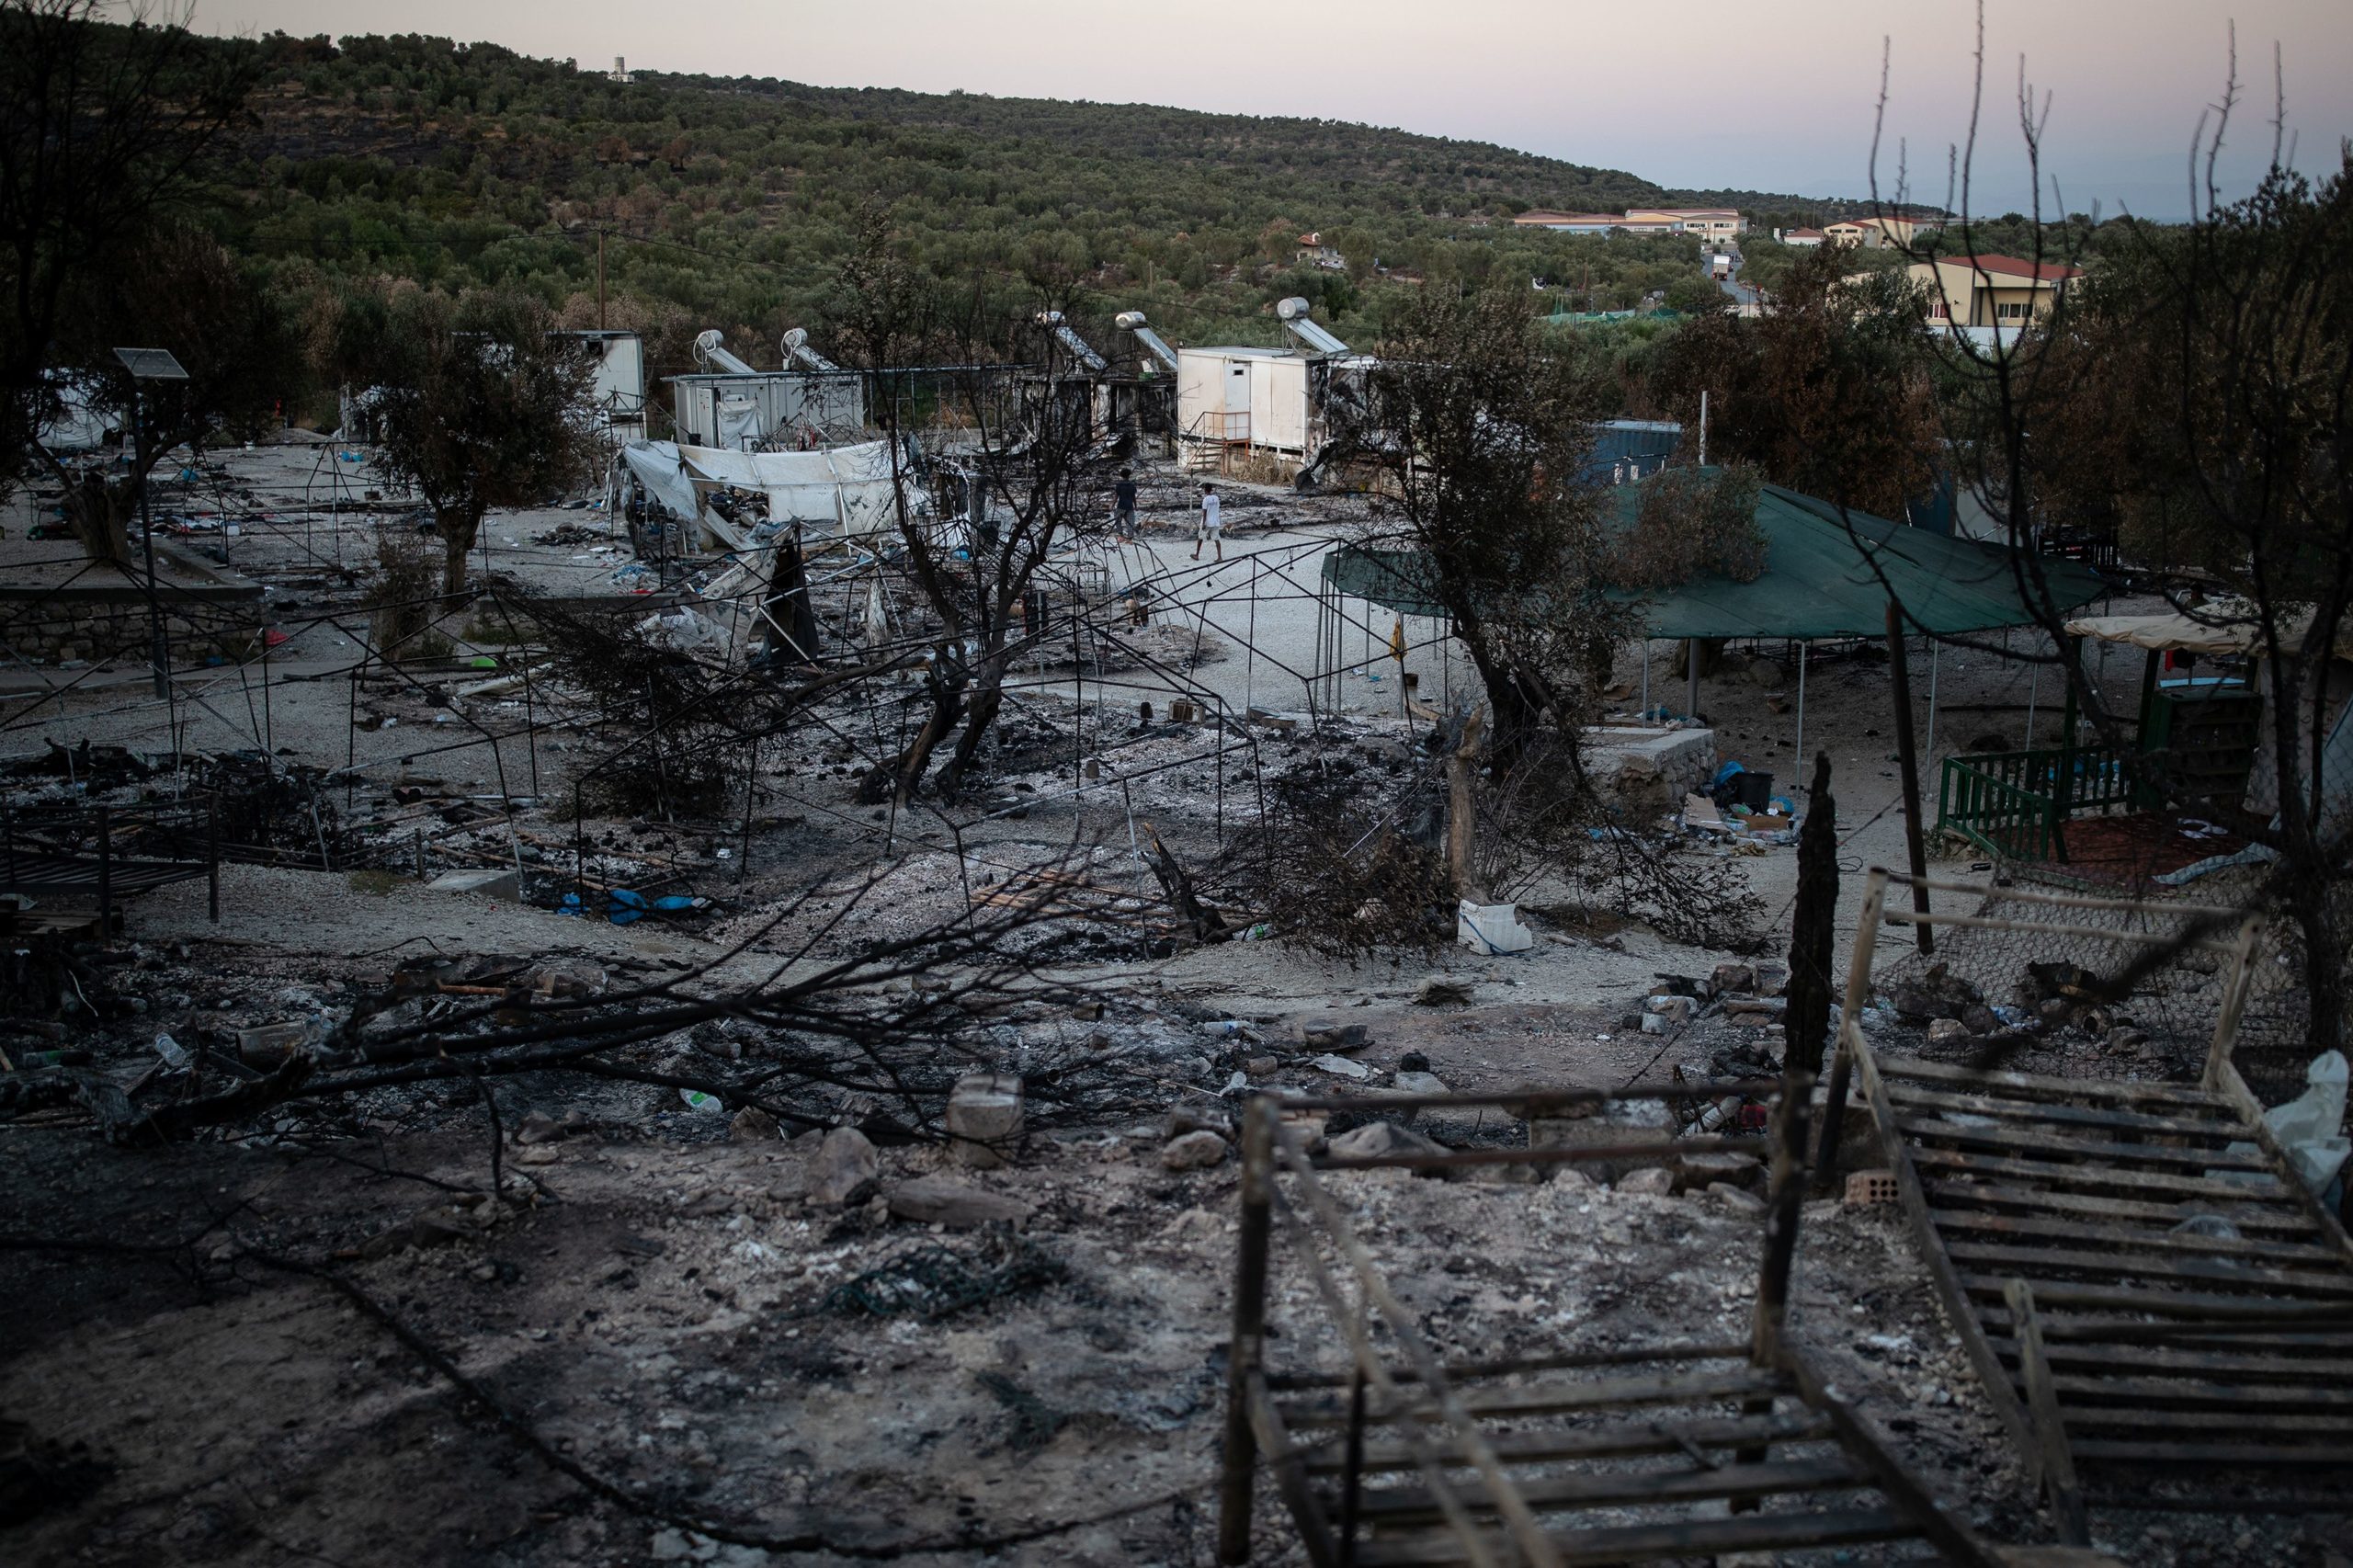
(1343, 871)
(1698, 902)
(1691, 521)
(683, 723)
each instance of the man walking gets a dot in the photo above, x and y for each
(1123, 505)
(1211, 530)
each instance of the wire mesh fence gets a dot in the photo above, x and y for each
(2084, 986)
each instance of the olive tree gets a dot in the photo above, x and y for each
(478, 403)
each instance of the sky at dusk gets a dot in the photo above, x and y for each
(1702, 94)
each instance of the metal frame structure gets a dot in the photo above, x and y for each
(1571, 1458)
(2116, 1345)
(98, 854)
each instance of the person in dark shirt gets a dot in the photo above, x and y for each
(1123, 502)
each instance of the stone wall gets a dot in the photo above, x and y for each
(62, 625)
(1646, 772)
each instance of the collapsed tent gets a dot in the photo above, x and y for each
(839, 492)
(1825, 575)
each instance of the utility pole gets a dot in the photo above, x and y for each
(600, 281)
(150, 365)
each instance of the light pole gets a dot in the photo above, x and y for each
(150, 365)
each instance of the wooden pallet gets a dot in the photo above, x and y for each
(1583, 1456)
(1624, 1457)
(2119, 1348)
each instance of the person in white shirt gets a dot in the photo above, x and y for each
(1213, 529)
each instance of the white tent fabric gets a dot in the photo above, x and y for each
(74, 424)
(844, 490)
(657, 467)
(2221, 628)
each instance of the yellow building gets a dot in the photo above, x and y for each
(1990, 291)
(1712, 223)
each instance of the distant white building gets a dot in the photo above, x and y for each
(619, 73)
(1802, 237)
(1713, 224)
(1598, 224)
(1717, 223)
(616, 387)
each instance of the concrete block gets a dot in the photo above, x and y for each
(984, 1117)
(507, 885)
(845, 1167)
(1676, 1010)
(937, 1201)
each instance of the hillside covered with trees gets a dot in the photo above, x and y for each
(732, 202)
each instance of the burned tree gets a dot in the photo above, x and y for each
(235, 337)
(2190, 400)
(1830, 392)
(103, 129)
(989, 504)
(478, 404)
(1479, 432)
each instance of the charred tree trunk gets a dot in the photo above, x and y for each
(1201, 920)
(987, 699)
(1812, 930)
(458, 531)
(900, 777)
(1515, 699)
(100, 516)
(1461, 819)
(1712, 653)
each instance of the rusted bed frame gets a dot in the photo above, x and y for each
(1422, 1415)
(2116, 1348)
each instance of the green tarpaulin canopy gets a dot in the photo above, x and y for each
(1825, 576)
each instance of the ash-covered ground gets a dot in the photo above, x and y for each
(540, 1317)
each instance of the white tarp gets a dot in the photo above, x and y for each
(73, 423)
(840, 490)
(657, 467)
(2223, 629)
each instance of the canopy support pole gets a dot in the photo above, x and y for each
(2033, 689)
(1646, 680)
(1899, 670)
(1803, 648)
(1936, 657)
(1315, 665)
(2064, 787)
(1250, 645)
(1691, 686)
